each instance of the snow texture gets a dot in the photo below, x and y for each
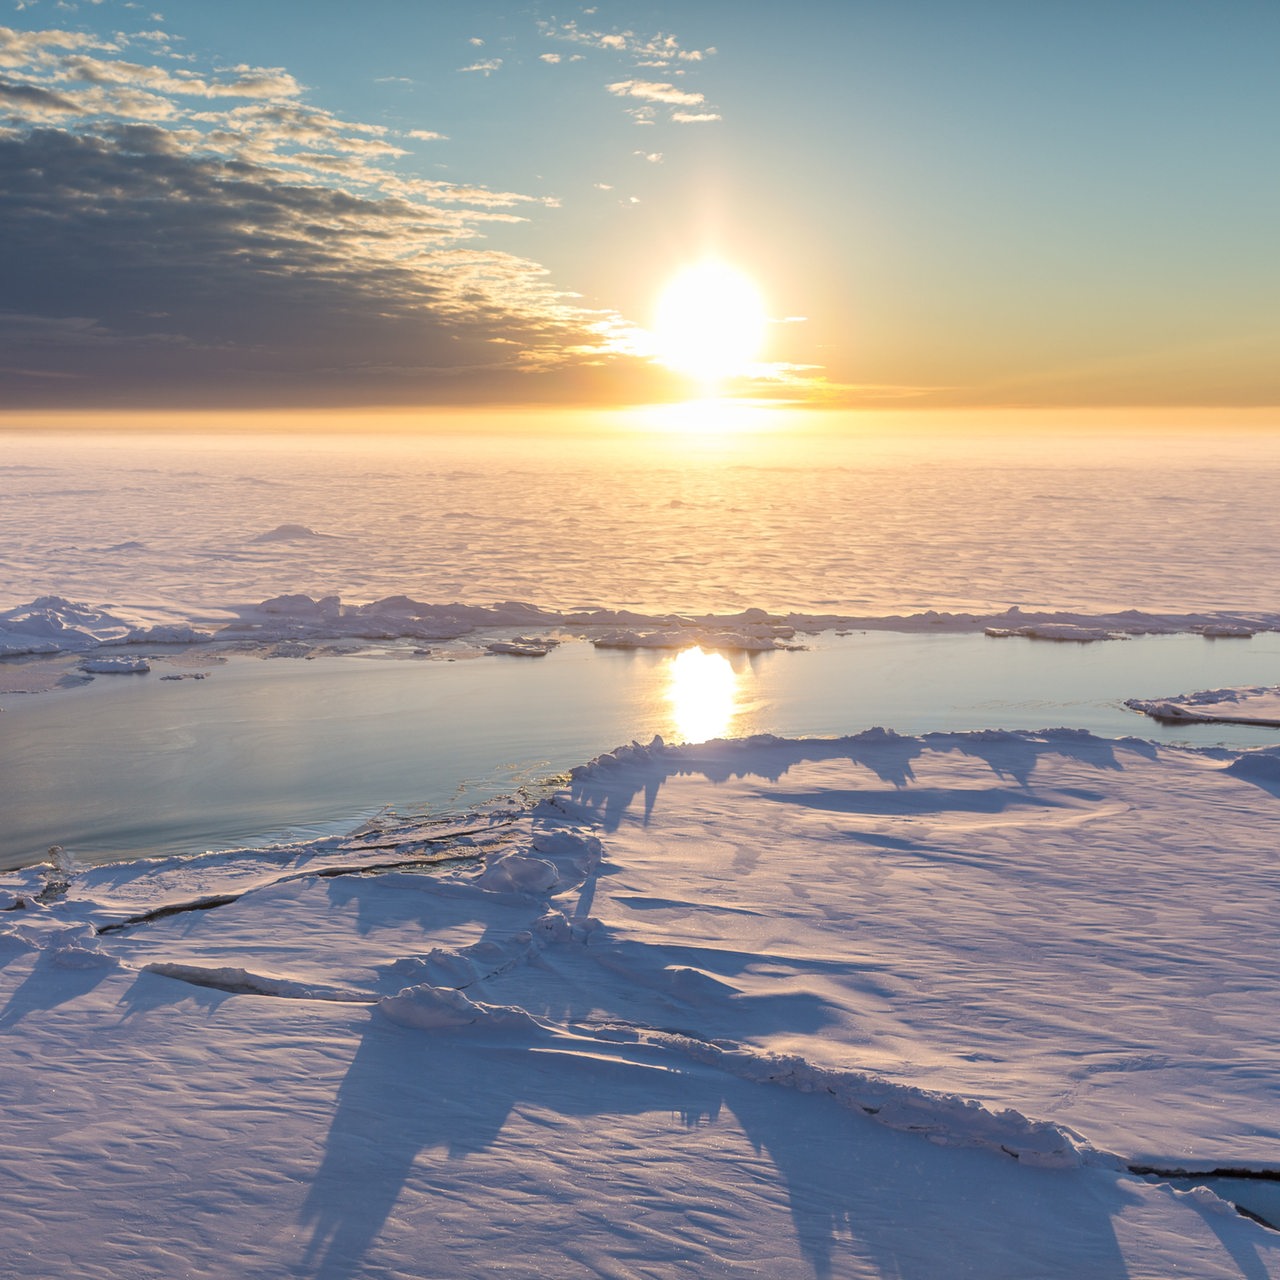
(878, 1006)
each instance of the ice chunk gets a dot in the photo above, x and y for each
(1258, 704)
(115, 666)
(515, 873)
(439, 1008)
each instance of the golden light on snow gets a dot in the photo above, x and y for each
(703, 694)
(709, 322)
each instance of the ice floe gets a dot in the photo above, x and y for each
(1258, 705)
(114, 666)
(524, 646)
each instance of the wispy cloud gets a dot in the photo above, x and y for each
(641, 52)
(686, 107)
(659, 50)
(655, 91)
(485, 66)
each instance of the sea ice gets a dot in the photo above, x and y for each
(870, 1007)
(1252, 705)
(51, 624)
(114, 666)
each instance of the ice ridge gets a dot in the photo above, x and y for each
(52, 624)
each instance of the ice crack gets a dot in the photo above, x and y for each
(237, 981)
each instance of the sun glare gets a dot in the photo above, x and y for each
(709, 322)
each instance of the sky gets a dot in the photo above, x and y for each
(296, 204)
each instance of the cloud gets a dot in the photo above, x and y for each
(239, 82)
(485, 66)
(37, 102)
(183, 239)
(655, 91)
(664, 94)
(19, 47)
(659, 50)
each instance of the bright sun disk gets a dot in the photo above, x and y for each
(709, 322)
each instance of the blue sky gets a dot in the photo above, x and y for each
(412, 203)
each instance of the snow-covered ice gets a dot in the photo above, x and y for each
(52, 624)
(995, 1004)
(876, 1006)
(850, 524)
(1254, 705)
(114, 666)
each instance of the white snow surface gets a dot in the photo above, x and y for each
(869, 1007)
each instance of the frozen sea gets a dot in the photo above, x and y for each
(904, 949)
(847, 520)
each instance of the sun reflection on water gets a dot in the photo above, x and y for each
(703, 694)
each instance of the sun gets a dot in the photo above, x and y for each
(709, 322)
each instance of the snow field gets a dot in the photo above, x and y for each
(877, 1006)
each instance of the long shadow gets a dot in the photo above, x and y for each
(607, 792)
(889, 1196)
(907, 1203)
(409, 1091)
(51, 982)
(1253, 1266)
(1262, 768)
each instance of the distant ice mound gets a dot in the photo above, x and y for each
(300, 617)
(290, 533)
(168, 633)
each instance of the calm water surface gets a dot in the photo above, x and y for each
(265, 748)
